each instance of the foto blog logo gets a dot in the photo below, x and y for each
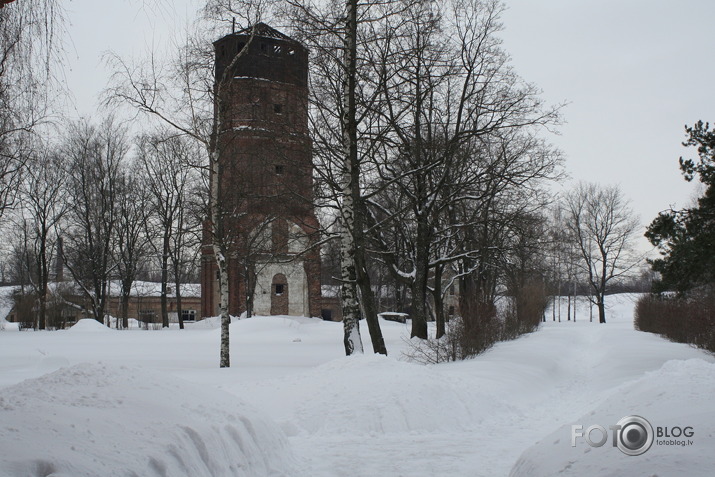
(633, 435)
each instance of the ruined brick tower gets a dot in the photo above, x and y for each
(266, 192)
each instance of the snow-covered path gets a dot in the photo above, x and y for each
(370, 415)
(474, 418)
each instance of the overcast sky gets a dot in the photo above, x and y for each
(634, 72)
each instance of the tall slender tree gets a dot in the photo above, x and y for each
(189, 97)
(133, 208)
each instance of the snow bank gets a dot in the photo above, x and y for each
(88, 325)
(97, 419)
(679, 394)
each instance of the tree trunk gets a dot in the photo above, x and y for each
(164, 280)
(574, 302)
(348, 290)
(441, 327)
(225, 360)
(559, 298)
(553, 309)
(350, 187)
(179, 311)
(250, 282)
(216, 239)
(601, 308)
(43, 279)
(367, 299)
(419, 285)
(125, 308)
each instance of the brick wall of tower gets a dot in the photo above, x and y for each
(265, 156)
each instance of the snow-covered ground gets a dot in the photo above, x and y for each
(94, 401)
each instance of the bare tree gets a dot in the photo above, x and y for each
(133, 207)
(29, 50)
(461, 136)
(189, 96)
(166, 161)
(339, 36)
(94, 157)
(44, 204)
(603, 227)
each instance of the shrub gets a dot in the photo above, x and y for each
(688, 319)
(481, 325)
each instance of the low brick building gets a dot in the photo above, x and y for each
(145, 302)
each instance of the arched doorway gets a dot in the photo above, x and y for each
(279, 295)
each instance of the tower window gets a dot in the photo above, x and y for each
(278, 108)
(279, 169)
(279, 289)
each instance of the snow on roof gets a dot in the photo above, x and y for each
(144, 289)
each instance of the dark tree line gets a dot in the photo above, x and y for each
(685, 239)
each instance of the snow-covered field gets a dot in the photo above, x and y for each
(91, 401)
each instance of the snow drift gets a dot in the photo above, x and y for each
(100, 419)
(677, 395)
(88, 325)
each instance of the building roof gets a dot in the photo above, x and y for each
(264, 31)
(260, 30)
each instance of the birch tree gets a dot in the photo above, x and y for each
(187, 96)
(344, 135)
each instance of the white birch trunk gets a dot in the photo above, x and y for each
(350, 190)
(221, 259)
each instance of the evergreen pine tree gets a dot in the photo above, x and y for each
(686, 238)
